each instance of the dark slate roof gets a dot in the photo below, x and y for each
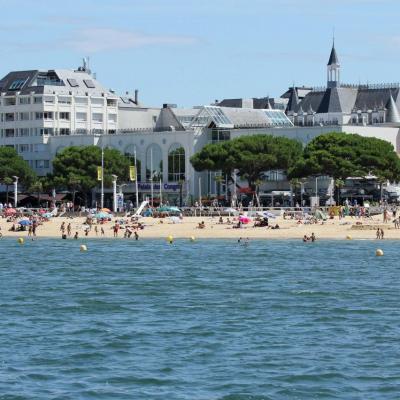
(293, 101)
(337, 100)
(375, 98)
(7, 81)
(333, 58)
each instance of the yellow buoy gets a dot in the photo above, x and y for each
(170, 239)
(20, 240)
(192, 238)
(379, 252)
(348, 237)
(83, 247)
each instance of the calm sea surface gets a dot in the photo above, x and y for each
(205, 320)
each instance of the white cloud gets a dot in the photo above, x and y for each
(93, 40)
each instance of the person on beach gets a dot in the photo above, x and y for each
(62, 228)
(378, 233)
(30, 230)
(102, 231)
(382, 234)
(136, 235)
(116, 229)
(69, 229)
(305, 238)
(313, 238)
(76, 235)
(96, 230)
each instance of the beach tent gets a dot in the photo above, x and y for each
(320, 215)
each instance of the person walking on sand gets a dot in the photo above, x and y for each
(378, 233)
(69, 229)
(102, 231)
(96, 230)
(382, 234)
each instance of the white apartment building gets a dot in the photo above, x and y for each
(38, 105)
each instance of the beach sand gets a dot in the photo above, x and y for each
(289, 229)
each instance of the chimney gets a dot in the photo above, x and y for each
(136, 96)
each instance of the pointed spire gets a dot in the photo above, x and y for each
(333, 58)
(392, 115)
(293, 101)
(269, 107)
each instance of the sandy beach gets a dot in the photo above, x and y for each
(154, 228)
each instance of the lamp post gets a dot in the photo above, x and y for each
(15, 190)
(316, 192)
(102, 177)
(114, 177)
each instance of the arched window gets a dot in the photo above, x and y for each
(130, 153)
(176, 163)
(154, 162)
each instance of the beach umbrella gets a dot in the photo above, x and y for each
(244, 219)
(231, 210)
(103, 215)
(105, 210)
(10, 211)
(48, 215)
(175, 220)
(266, 214)
(25, 222)
(168, 209)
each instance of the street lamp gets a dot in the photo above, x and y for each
(316, 192)
(114, 177)
(15, 190)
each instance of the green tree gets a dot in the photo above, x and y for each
(251, 155)
(36, 187)
(11, 164)
(295, 183)
(341, 155)
(75, 168)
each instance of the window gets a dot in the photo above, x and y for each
(64, 100)
(42, 163)
(176, 163)
(9, 101)
(24, 100)
(24, 116)
(24, 132)
(46, 131)
(23, 148)
(64, 115)
(220, 135)
(89, 83)
(81, 116)
(72, 82)
(37, 148)
(97, 131)
(81, 131)
(17, 84)
(38, 100)
(49, 99)
(64, 131)
(97, 117)
(154, 163)
(81, 100)
(9, 132)
(112, 118)
(9, 117)
(97, 102)
(111, 131)
(111, 102)
(44, 115)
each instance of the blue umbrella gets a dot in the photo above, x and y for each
(48, 215)
(102, 215)
(25, 222)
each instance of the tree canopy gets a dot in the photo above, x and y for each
(11, 164)
(341, 155)
(251, 155)
(75, 168)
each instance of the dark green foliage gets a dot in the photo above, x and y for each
(341, 155)
(251, 155)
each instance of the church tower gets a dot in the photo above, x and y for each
(333, 69)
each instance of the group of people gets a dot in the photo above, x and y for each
(311, 238)
(380, 233)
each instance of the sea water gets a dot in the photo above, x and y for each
(206, 320)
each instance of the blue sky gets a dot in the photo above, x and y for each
(191, 52)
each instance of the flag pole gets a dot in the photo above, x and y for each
(136, 183)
